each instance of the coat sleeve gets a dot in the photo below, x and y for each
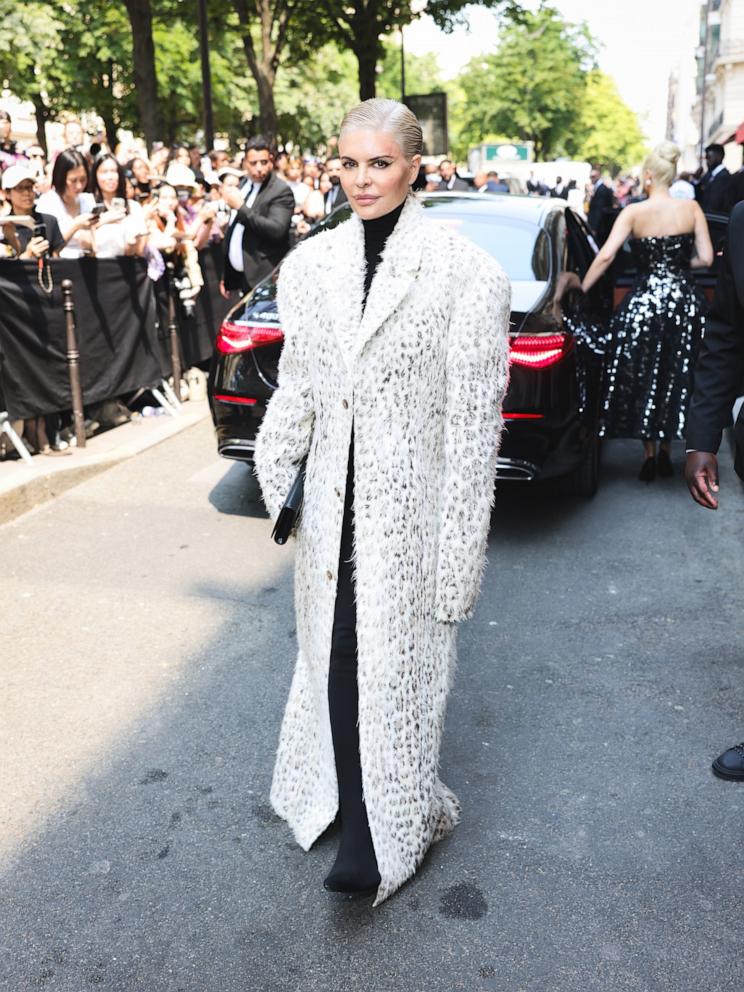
(284, 436)
(477, 377)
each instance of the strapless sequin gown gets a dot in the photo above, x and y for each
(652, 344)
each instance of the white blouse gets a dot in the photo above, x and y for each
(110, 240)
(52, 203)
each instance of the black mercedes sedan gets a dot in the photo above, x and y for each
(552, 405)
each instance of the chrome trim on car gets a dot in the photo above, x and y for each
(238, 449)
(515, 469)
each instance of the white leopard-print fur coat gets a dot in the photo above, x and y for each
(421, 376)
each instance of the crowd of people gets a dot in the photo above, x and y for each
(86, 199)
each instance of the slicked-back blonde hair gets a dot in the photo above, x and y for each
(387, 115)
(662, 163)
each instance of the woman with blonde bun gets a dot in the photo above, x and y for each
(655, 332)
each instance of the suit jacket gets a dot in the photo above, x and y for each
(713, 194)
(600, 201)
(563, 195)
(340, 198)
(720, 366)
(459, 184)
(735, 189)
(266, 235)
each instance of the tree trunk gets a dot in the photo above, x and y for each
(41, 112)
(367, 58)
(266, 105)
(108, 109)
(145, 76)
(273, 19)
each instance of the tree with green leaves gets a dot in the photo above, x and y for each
(360, 26)
(608, 130)
(532, 87)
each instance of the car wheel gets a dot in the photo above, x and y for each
(584, 479)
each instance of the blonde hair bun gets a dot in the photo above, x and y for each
(668, 151)
(662, 163)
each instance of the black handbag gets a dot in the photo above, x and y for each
(290, 511)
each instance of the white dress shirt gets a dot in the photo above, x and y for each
(235, 248)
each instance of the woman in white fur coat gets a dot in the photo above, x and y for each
(391, 378)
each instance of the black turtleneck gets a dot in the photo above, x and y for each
(376, 233)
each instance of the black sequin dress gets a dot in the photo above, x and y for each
(652, 344)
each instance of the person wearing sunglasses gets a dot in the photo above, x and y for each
(42, 236)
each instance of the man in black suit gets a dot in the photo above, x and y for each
(712, 192)
(719, 374)
(335, 195)
(560, 189)
(257, 236)
(448, 178)
(601, 200)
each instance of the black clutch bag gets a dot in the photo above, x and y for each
(290, 511)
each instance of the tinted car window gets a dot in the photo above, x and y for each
(522, 249)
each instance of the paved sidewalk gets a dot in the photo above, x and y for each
(23, 486)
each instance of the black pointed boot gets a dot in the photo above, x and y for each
(354, 872)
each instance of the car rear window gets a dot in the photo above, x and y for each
(521, 248)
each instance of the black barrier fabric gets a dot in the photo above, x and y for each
(211, 306)
(196, 331)
(115, 324)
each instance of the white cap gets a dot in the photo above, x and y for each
(15, 174)
(228, 170)
(180, 175)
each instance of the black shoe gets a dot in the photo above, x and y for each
(730, 764)
(350, 894)
(664, 464)
(648, 470)
(354, 872)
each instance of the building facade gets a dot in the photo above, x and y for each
(718, 109)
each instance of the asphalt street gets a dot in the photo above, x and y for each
(146, 647)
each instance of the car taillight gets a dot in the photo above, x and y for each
(234, 338)
(538, 351)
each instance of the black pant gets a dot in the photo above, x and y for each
(344, 639)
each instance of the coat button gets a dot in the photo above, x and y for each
(329, 574)
(338, 493)
(345, 404)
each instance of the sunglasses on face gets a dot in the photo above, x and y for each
(25, 188)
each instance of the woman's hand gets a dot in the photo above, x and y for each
(83, 222)
(112, 216)
(11, 236)
(36, 248)
(567, 282)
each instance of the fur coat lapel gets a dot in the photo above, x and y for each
(399, 265)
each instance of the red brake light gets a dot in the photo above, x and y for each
(538, 351)
(234, 338)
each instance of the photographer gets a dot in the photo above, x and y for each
(169, 235)
(35, 234)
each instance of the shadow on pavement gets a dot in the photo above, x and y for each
(238, 493)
